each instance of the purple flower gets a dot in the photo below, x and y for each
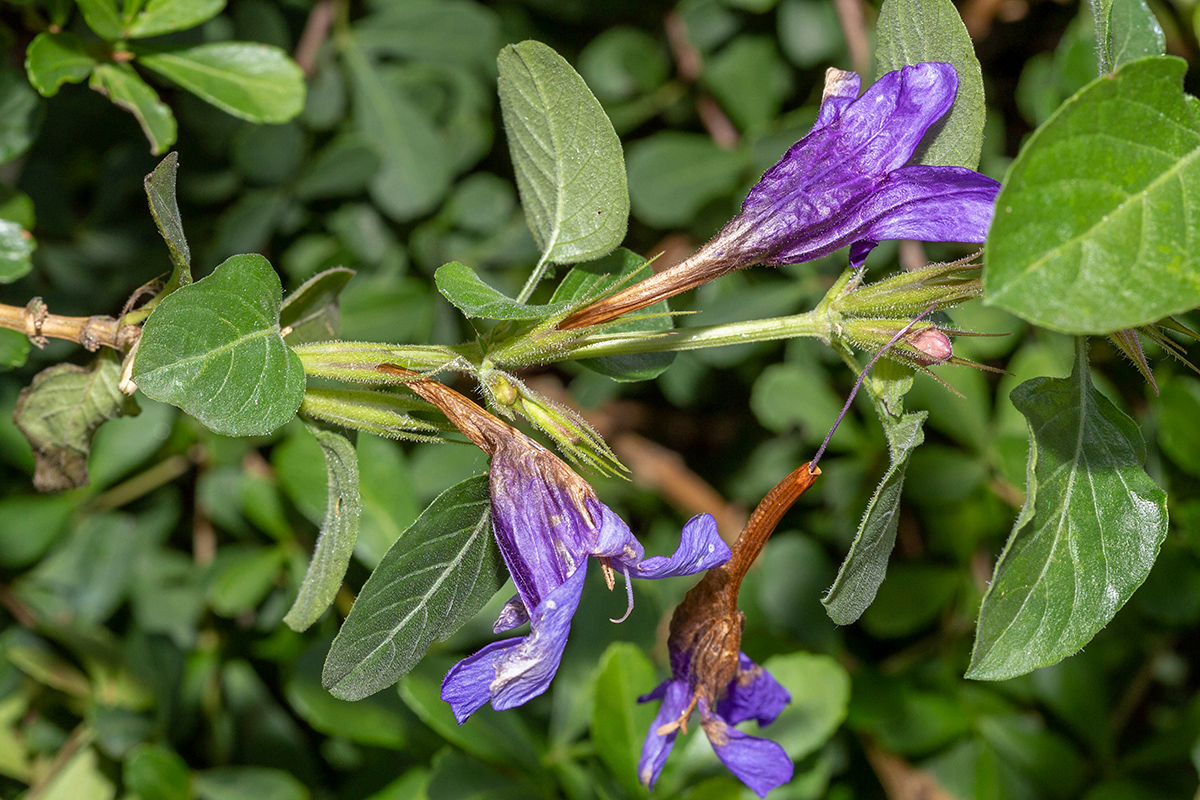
(845, 183)
(752, 693)
(547, 522)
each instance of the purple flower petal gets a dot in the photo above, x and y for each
(467, 686)
(526, 671)
(513, 671)
(700, 548)
(841, 89)
(675, 696)
(759, 763)
(614, 539)
(542, 534)
(753, 694)
(932, 204)
(513, 614)
(875, 134)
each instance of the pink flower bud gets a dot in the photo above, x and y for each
(933, 343)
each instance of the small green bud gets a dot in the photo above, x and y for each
(909, 293)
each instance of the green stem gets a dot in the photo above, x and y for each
(357, 362)
(815, 323)
(534, 279)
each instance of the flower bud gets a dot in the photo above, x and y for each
(577, 440)
(909, 293)
(923, 346)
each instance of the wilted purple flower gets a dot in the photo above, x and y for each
(547, 522)
(752, 693)
(845, 183)
(710, 673)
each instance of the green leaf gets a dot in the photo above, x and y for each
(80, 777)
(154, 772)
(160, 191)
(618, 721)
(749, 61)
(103, 17)
(435, 31)
(16, 248)
(241, 577)
(60, 412)
(339, 532)
(257, 82)
(1086, 537)
(915, 31)
(1133, 33)
(311, 312)
(376, 722)
(165, 16)
(568, 160)
(866, 564)
(214, 349)
(820, 689)
(14, 349)
(1178, 433)
(124, 87)
(461, 286)
(490, 735)
(437, 575)
(20, 115)
(53, 59)
(1095, 228)
(673, 174)
(591, 282)
(248, 783)
(416, 171)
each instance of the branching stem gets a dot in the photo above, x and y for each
(36, 322)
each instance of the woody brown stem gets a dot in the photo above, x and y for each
(36, 322)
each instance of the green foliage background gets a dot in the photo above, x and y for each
(143, 653)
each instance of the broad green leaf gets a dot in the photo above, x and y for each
(214, 349)
(103, 17)
(1095, 228)
(241, 577)
(492, 736)
(1086, 537)
(915, 31)
(1178, 433)
(20, 115)
(78, 778)
(165, 16)
(160, 191)
(339, 532)
(590, 282)
(248, 783)
(124, 87)
(568, 160)
(376, 722)
(673, 174)
(461, 286)
(416, 169)
(53, 59)
(16, 248)
(154, 772)
(257, 82)
(436, 31)
(618, 721)
(310, 314)
(60, 412)
(749, 61)
(14, 349)
(866, 564)
(1133, 33)
(820, 689)
(437, 575)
